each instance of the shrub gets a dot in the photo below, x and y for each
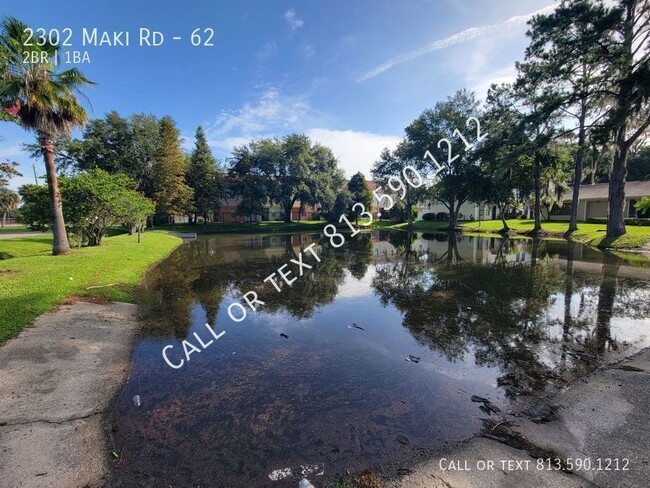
(628, 221)
(92, 203)
(429, 216)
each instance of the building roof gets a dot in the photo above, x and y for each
(600, 191)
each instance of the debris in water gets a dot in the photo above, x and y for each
(115, 454)
(284, 335)
(478, 399)
(355, 326)
(413, 359)
(280, 474)
(491, 406)
(402, 439)
(627, 367)
(315, 469)
(307, 470)
(304, 483)
(136, 401)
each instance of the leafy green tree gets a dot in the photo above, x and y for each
(253, 196)
(117, 145)
(563, 58)
(358, 187)
(9, 200)
(135, 209)
(202, 176)
(172, 196)
(35, 211)
(457, 179)
(341, 205)
(95, 201)
(399, 212)
(557, 160)
(392, 163)
(538, 107)
(639, 165)
(289, 169)
(42, 100)
(505, 172)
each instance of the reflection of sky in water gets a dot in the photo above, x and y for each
(253, 401)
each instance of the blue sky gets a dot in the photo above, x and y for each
(350, 74)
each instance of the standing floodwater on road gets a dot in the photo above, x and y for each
(371, 357)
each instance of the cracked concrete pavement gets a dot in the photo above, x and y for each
(56, 379)
(601, 416)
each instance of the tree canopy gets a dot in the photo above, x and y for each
(290, 169)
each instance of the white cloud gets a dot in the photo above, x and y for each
(458, 38)
(271, 112)
(293, 21)
(356, 151)
(229, 143)
(268, 50)
(479, 83)
(307, 50)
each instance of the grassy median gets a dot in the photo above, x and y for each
(32, 281)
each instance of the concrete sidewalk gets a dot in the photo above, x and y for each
(13, 235)
(602, 417)
(56, 379)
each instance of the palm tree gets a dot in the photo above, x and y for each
(40, 100)
(8, 201)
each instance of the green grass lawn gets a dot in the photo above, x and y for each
(32, 281)
(592, 234)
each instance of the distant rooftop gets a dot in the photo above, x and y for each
(600, 191)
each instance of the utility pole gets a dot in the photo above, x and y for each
(35, 178)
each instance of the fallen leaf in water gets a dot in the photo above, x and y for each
(402, 439)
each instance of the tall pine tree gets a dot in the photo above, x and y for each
(202, 177)
(172, 196)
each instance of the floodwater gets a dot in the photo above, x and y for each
(508, 320)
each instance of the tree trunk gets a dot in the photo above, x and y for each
(409, 214)
(505, 229)
(453, 217)
(537, 210)
(577, 173)
(60, 243)
(4, 218)
(606, 298)
(615, 222)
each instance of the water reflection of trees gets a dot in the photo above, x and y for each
(494, 300)
(204, 271)
(500, 311)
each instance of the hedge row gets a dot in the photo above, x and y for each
(630, 221)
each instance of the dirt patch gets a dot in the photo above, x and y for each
(86, 299)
